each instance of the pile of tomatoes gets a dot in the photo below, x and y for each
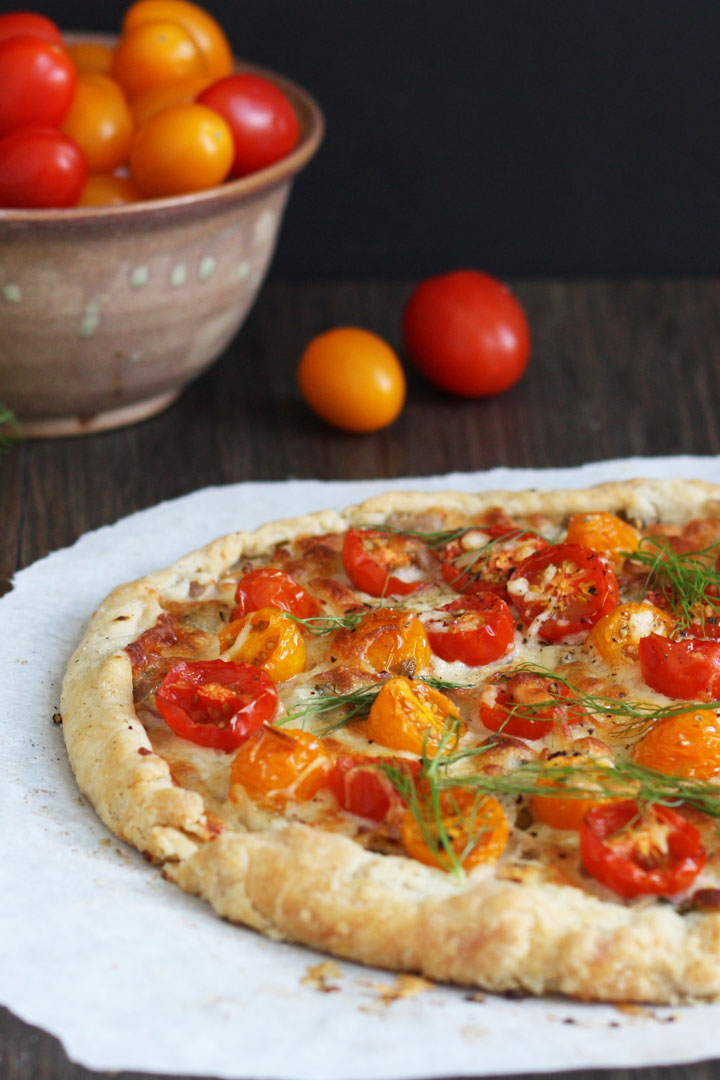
(161, 113)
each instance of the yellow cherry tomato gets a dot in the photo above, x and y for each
(686, 744)
(267, 639)
(99, 121)
(385, 640)
(181, 149)
(155, 53)
(275, 766)
(353, 379)
(616, 635)
(91, 56)
(568, 811)
(106, 189)
(605, 533)
(178, 92)
(475, 826)
(410, 715)
(202, 27)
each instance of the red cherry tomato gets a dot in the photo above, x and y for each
(361, 787)
(483, 559)
(566, 588)
(527, 705)
(266, 587)
(384, 564)
(262, 120)
(40, 167)
(216, 702)
(650, 852)
(467, 333)
(37, 83)
(28, 24)
(473, 629)
(687, 669)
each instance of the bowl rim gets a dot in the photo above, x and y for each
(312, 125)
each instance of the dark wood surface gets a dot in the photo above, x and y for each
(619, 368)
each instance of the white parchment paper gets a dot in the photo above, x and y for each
(130, 973)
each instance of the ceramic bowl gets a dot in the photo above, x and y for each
(107, 313)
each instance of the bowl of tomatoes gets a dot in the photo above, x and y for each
(143, 181)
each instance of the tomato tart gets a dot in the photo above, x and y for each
(472, 736)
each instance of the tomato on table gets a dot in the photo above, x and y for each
(205, 31)
(28, 24)
(473, 629)
(352, 379)
(100, 122)
(605, 533)
(181, 149)
(563, 590)
(361, 787)
(650, 851)
(37, 83)
(387, 640)
(472, 825)
(266, 587)
(267, 639)
(383, 563)
(482, 560)
(467, 333)
(410, 715)
(688, 668)
(685, 744)
(40, 167)
(617, 634)
(260, 116)
(216, 703)
(527, 705)
(275, 766)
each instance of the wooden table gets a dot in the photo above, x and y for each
(619, 368)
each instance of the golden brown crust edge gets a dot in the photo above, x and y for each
(324, 890)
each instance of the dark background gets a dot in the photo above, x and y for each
(565, 137)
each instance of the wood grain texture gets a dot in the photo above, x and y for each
(619, 368)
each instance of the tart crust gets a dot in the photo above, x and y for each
(323, 889)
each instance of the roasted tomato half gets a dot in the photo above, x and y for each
(466, 826)
(653, 851)
(216, 703)
(527, 705)
(688, 668)
(483, 559)
(473, 629)
(562, 591)
(382, 563)
(266, 587)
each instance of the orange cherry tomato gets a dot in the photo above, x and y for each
(91, 56)
(410, 715)
(385, 640)
(183, 148)
(475, 827)
(106, 189)
(352, 379)
(607, 534)
(616, 636)
(154, 53)
(265, 638)
(100, 122)
(686, 744)
(567, 811)
(178, 92)
(276, 766)
(205, 31)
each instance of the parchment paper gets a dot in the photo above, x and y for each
(130, 973)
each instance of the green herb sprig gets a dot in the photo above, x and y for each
(689, 583)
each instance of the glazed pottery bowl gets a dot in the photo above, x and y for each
(107, 313)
